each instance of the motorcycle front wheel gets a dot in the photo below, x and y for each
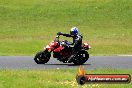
(81, 58)
(42, 57)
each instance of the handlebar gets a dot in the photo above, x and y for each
(61, 42)
(57, 38)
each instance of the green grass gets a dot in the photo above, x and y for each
(54, 78)
(28, 25)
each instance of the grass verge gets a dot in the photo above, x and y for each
(54, 78)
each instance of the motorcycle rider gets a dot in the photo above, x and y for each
(77, 39)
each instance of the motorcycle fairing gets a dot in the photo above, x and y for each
(59, 49)
(51, 46)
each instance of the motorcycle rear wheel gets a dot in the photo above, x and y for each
(81, 58)
(42, 57)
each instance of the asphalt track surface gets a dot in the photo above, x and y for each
(27, 62)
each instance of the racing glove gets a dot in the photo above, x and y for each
(59, 33)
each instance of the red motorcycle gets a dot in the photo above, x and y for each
(63, 50)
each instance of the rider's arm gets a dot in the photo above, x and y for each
(67, 35)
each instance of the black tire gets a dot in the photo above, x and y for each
(81, 58)
(42, 57)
